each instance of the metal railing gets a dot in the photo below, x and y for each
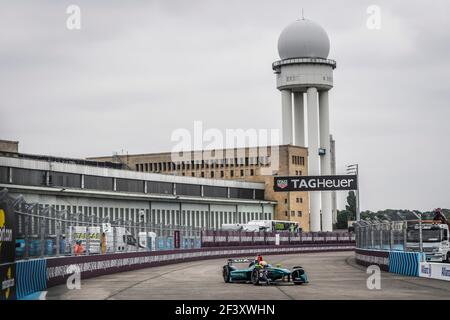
(399, 231)
(44, 231)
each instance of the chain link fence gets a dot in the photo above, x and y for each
(401, 232)
(45, 231)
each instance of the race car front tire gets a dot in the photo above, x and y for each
(296, 274)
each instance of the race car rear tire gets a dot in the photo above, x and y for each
(255, 277)
(226, 273)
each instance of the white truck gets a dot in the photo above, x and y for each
(435, 240)
(263, 225)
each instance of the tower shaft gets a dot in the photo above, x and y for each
(325, 161)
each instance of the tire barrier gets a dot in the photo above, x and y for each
(39, 274)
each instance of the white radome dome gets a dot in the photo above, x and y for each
(303, 39)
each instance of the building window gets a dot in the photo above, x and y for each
(98, 183)
(146, 167)
(203, 174)
(28, 177)
(222, 174)
(232, 173)
(242, 173)
(212, 174)
(241, 193)
(4, 175)
(293, 213)
(259, 194)
(137, 167)
(299, 213)
(286, 213)
(285, 200)
(129, 185)
(60, 179)
(252, 172)
(159, 187)
(188, 189)
(218, 192)
(192, 174)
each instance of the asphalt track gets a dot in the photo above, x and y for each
(332, 275)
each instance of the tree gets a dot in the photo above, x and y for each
(351, 205)
(342, 219)
(349, 214)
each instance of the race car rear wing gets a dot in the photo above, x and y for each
(240, 260)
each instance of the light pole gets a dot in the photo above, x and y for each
(354, 169)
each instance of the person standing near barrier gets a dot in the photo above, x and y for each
(78, 248)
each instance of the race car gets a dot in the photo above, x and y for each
(260, 272)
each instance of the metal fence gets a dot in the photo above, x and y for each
(43, 230)
(399, 232)
(381, 235)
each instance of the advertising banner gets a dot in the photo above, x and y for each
(315, 183)
(95, 240)
(8, 281)
(440, 271)
(8, 229)
(176, 239)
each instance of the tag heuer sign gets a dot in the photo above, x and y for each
(315, 183)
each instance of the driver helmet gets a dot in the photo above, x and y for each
(263, 263)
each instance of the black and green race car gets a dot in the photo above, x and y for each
(259, 272)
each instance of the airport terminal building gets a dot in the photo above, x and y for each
(238, 164)
(107, 191)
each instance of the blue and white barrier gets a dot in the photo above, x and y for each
(406, 263)
(31, 276)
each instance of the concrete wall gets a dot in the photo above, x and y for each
(9, 146)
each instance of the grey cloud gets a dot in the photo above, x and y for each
(140, 69)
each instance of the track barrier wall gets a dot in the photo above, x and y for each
(433, 270)
(38, 274)
(405, 263)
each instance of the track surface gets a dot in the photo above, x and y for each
(332, 275)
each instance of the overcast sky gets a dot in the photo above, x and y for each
(138, 70)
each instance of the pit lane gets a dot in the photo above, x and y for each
(332, 275)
